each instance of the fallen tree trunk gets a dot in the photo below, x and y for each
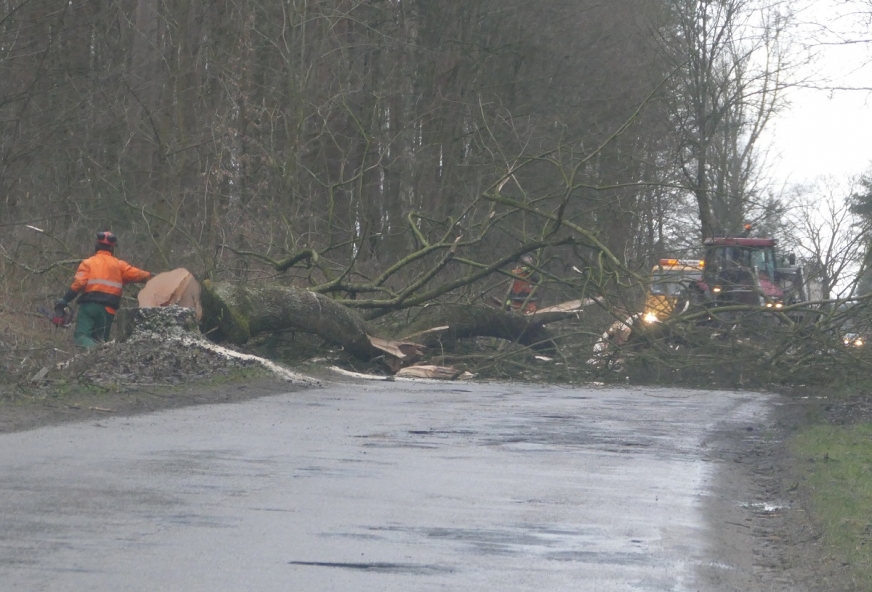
(443, 325)
(236, 313)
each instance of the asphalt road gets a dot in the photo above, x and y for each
(394, 486)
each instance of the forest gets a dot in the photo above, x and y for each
(399, 157)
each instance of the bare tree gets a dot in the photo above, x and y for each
(860, 201)
(731, 68)
(829, 236)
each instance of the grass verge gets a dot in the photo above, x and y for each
(836, 476)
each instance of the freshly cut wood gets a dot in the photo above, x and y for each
(177, 287)
(399, 353)
(430, 371)
(571, 306)
(616, 335)
(402, 350)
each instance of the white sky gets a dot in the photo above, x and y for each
(823, 136)
(828, 133)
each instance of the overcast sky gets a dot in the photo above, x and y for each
(828, 133)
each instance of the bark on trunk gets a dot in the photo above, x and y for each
(235, 313)
(462, 321)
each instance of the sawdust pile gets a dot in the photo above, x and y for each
(167, 348)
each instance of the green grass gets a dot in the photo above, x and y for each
(836, 474)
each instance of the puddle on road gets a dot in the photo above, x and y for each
(556, 543)
(379, 567)
(764, 507)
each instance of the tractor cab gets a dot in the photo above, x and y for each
(742, 270)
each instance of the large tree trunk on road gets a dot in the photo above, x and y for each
(441, 326)
(236, 313)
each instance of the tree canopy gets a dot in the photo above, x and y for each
(388, 155)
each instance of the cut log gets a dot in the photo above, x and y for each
(616, 335)
(571, 307)
(177, 287)
(405, 351)
(430, 371)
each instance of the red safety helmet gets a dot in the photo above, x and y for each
(107, 237)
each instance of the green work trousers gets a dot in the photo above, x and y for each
(92, 325)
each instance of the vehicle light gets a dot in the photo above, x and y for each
(650, 317)
(716, 289)
(853, 341)
(779, 305)
(769, 305)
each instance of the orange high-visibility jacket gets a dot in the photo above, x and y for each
(100, 278)
(522, 288)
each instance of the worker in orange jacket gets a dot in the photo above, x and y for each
(97, 285)
(521, 290)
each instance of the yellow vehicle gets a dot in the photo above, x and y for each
(670, 280)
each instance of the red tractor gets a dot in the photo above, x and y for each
(746, 271)
(736, 271)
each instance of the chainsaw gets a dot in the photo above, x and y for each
(61, 316)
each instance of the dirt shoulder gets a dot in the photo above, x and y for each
(765, 539)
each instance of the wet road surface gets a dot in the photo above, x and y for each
(380, 486)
